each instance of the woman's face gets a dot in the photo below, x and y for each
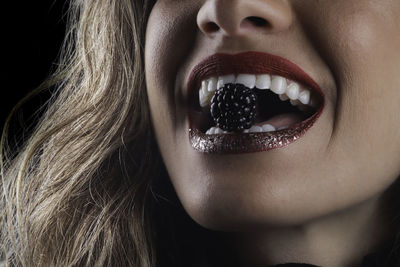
(349, 48)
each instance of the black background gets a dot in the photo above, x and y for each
(32, 35)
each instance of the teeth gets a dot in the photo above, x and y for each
(263, 81)
(202, 99)
(268, 128)
(207, 90)
(211, 130)
(222, 80)
(304, 97)
(204, 94)
(220, 84)
(278, 85)
(218, 131)
(255, 129)
(212, 84)
(292, 91)
(204, 85)
(248, 80)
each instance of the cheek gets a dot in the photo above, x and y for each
(169, 37)
(359, 41)
(158, 43)
(366, 66)
(368, 77)
(169, 40)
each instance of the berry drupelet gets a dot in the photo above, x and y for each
(233, 107)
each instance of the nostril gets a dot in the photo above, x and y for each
(211, 27)
(257, 21)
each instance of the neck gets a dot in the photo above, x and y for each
(340, 239)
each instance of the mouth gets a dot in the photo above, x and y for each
(287, 103)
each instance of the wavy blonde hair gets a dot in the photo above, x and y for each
(78, 191)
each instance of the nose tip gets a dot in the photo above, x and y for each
(239, 17)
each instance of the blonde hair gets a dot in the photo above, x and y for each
(78, 190)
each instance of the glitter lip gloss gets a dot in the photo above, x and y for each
(254, 63)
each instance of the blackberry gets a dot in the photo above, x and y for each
(233, 107)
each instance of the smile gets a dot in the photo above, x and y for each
(288, 102)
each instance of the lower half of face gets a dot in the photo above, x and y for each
(351, 154)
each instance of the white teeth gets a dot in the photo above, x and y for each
(204, 86)
(211, 130)
(278, 85)
(212, 84)
(204, 94)
(222, 80)
(255, 129)
(228, 78)
(248, 80)
(304, 97)
(268, 128)
(293, 90)
(263, 81)
(202, 99)
(218, 131)
(220, 84)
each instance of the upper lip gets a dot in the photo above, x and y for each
(248, 62)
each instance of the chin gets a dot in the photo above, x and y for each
(240, 210)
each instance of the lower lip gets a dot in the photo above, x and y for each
(250, 142)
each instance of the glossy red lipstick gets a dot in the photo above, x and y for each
(255, 63)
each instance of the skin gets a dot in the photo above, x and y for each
(318, 200)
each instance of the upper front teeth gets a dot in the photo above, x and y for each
(285, 88)
(222, 80)
(212, 84)
(292, 91)
(263, 81)
(278, 85)
(248, 80)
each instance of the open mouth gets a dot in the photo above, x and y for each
(278, 110)
(281, 103)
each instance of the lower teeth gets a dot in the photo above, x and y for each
(254, 129)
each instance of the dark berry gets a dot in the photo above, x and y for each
(233, 107)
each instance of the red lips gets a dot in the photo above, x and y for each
(253, 63)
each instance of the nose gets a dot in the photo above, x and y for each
(238, 17)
